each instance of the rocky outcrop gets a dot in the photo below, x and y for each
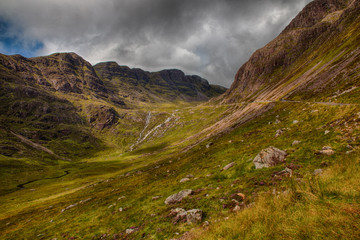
(269, 157)
(101, 116)
(191, 216)
(178, 197)
(285, 66)
(169, 84)
(64, 72)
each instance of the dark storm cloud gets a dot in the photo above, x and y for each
(211, 38)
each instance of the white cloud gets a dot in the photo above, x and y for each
(211, 38)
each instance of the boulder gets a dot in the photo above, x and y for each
(194, 216)
(269, 157)
(190, 216)
(179, 215)
(178, 197)
(230, 165)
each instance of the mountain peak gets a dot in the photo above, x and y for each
(316, 11)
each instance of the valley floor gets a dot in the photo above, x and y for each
(120, 194)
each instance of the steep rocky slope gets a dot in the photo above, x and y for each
(138, 84)
(315, 56)
(61, 101)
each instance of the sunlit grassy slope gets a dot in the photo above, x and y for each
(101, 185)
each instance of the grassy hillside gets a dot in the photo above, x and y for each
(156, 169)
(100, 165)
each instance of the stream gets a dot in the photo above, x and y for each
(21, 186)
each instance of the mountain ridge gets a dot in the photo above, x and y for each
(294, 50)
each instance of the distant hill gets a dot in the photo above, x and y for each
(62, 101)
(170, 84)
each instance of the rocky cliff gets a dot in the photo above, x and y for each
(169, 84)
(315, 52)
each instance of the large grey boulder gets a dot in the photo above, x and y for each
(268, 157)
(178, 197)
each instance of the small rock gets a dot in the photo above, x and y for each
(230, 165)
(318, 171)
(189, 176)
(295, 142)
(295, 122)
(178, 197)
(277, 121)
(68, 207)
(184, 180)
(279, 132)
(209, 144)
(155, 197)
(122, 197)
(287, 171)
(269, 157)
(236, 208)
(326, 132)
(327, 151)
(129, 230)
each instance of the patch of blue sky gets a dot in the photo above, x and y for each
(11, 41)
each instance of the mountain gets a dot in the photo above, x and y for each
(315, 57)
(170, 85)
(62, 101)
(117, 155)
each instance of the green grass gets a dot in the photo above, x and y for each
(156, 167)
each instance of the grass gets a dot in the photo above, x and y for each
(156, 167)
(315, 208)
(105, 175)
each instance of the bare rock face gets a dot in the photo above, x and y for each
(269, 157)
(310, 29)
(178, 197)
(64, 72)
(101, 117)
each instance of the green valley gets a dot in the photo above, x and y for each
(110, 152)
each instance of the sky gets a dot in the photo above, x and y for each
(209, 38)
